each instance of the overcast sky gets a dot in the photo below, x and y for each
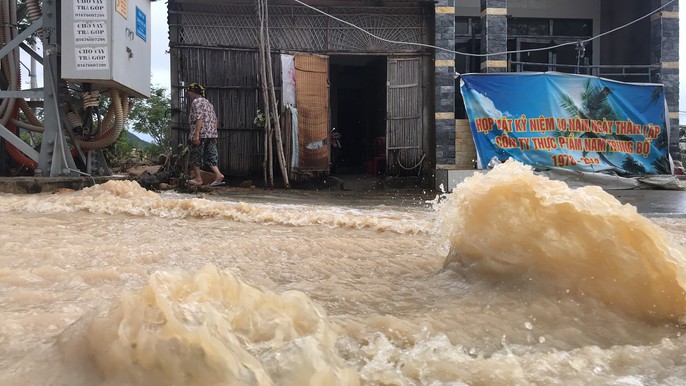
(160, 45)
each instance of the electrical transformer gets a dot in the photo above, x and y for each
(107, 43)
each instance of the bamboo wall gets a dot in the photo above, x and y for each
(214, 44)
(233, 87)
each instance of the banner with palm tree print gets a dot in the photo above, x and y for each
(555, 120)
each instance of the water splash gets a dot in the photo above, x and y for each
(511, 224)
(206, 328)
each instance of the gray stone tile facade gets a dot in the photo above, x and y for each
(444, 82)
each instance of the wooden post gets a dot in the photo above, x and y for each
(263, 75)
(275, 105)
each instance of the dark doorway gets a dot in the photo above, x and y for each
(358, 109)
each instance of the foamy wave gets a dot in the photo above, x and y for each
(128, 197)
(511, 223)
(212, 328)
(435, 360)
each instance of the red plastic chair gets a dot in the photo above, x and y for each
(378, 163)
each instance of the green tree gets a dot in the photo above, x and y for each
(121, 148)
(152, 116)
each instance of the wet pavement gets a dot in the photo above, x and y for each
(654, 202)
(357, 191)
(367, 190)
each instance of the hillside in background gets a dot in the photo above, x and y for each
(136, 141)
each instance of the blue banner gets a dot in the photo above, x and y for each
(568, 121)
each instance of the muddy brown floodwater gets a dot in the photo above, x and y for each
(512, 279)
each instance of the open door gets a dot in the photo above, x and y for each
(404, 127)
(312, 96)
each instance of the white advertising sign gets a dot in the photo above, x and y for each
(90, 10)
(90, 32)
(92, 58)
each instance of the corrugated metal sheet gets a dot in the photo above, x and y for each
(312, 94)
(404, 129)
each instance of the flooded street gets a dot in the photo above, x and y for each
(512, 279)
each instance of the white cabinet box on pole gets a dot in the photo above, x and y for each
(107, 43)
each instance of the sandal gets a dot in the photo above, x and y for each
(194, 183)
(217, 183)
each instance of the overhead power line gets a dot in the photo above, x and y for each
(582, 42)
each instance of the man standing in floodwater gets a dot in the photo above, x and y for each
(203, 142)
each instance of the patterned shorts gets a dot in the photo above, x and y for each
(205, 153)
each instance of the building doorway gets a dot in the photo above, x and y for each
(358, 112)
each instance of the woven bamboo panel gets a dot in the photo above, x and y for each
(404, 129)
(312, 94)
(297, 28)
(232, 85)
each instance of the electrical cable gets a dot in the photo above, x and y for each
(27, 126)
(484, 55)
(83, 174)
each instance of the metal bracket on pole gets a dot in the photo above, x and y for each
(16, 42)
(31, 53)
(97, 164)
(18, 143)
(34, 94)
(55, 157)
(62, 163)
(4, 132)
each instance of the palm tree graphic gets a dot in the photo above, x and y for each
(595, 105)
